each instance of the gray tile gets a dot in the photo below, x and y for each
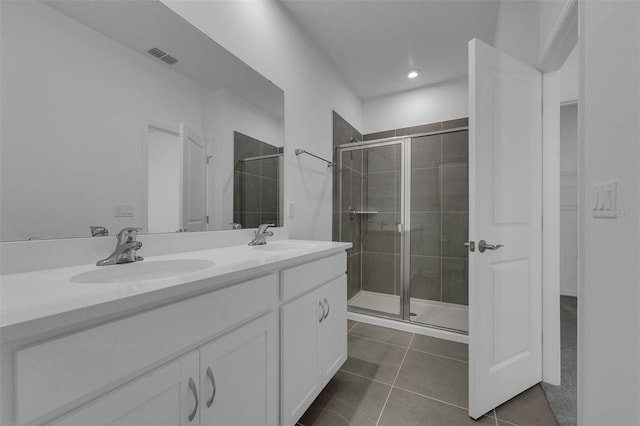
(425, 234)
(268, 195)
(379, 135)
(356, 190)
(350, 324)
(269, 167)
(379, 233)
(455, 189)
(455, 232)
(528, 408)
(447, 348)
(356, 136)
(347, 188)
(351, 232)
(347, 400)
(384, 334)
(266, 217)
(425, 190)
(455, 282)
(455, 147)
(382, 192)
(426, 151)
(405, 408)
(373, 359)
(378, 272)
(250, 219)
(237, 191)
(423, 128)
(452, 124)
(425, 278)
(267, 149)
(382, 159)
(441, 378)
(353, 275)
(250, 193)
(341, 130)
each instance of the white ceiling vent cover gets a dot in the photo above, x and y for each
(162, 55)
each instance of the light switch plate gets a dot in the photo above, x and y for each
(604, 200)
(123, 210)
(291, 209)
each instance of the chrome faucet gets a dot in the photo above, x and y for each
(99, 231)
(260, 238)
(126, 248)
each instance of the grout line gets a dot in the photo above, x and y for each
(364, 377)
(495, 416)
(352, 327)
(432, 398)
(394, 381)
(409, 347)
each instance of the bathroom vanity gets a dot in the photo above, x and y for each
(233, 335)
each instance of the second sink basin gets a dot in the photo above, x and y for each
(141, 271)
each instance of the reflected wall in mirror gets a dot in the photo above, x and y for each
(121, 114)
(257, 183)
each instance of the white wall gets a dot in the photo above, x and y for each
(518, 30)
(164, 181)
(440, 102)
(569, 77)
(609, 294)
(262, 34)
(568, 200)
(224, 114)
(71, 148)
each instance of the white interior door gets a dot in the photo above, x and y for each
(505, 207)
(194, 180)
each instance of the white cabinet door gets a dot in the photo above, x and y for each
(166, 396)
(300, 356)
(333, 330)
(505, 207)
(239, 376)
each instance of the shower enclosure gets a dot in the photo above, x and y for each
(404, 205)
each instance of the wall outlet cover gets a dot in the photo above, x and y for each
(123, 210)
(605, 200)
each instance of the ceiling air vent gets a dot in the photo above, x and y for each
(169, 59)
(162, 55)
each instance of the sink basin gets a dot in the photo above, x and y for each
(276, 246)
(141, 271)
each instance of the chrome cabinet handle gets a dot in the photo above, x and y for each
(328, 309)
(192, 387)
(482, 246)
(213, 384)
(323, 314)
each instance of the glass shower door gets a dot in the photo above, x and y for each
(371, 217)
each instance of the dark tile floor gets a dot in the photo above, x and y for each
(396, 378)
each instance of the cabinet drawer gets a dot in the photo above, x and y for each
(300, 279)
(53, 374)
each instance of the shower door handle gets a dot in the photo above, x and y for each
(400, 228)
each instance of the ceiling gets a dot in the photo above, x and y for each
(374, 43)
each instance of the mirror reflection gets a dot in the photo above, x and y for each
(122, 114)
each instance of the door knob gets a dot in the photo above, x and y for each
(482, 246)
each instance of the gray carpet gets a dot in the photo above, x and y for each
(563, 399)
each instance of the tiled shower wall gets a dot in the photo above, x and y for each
(255, 183)
(439, 199)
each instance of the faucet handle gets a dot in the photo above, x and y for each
(128, 234)
(99, 231)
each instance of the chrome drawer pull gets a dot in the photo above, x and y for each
(192, 387)
(213, 384)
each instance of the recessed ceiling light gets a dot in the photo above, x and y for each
(413, 73)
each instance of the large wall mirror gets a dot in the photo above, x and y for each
(120, 113)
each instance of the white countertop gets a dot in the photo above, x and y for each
(38, 302)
